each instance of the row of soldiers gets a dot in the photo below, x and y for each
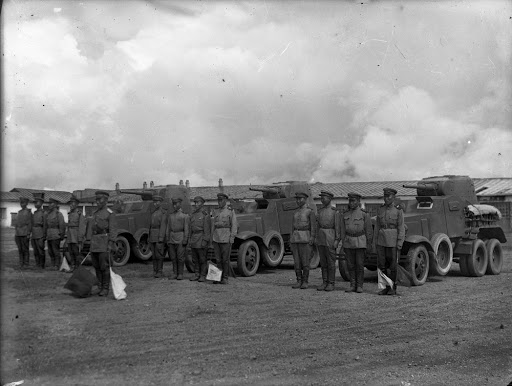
(327, 230)
(352, 229)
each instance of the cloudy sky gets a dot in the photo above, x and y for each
(99, 92)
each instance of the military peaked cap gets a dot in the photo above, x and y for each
(199, 198)
(354, 195)
(389, 191)
(38, 196)
(24, 199)
(326, 193)
(222, 195)
(156, 197)
(301, 194)
(54, 200)
(175, 200)
(102, 193)
(73, 198)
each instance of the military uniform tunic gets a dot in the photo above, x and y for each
(390, 228)
(23, 225)
(224, 225)
(303, 226)
(55, 225)
(200, 224)
(102, 229)
(158, 226)
(328, 226)
(356, 229)
(39, 224)
(178, 228)
(76, 227)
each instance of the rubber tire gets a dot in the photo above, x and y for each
(477, 261)
(463, 266)
(418, 264)
(315, 258)
(122, 255)
(343, 268)
(273, 256)
(495, 257)
(188, 261)
(142, 250)
(442, 242)
(248, 259)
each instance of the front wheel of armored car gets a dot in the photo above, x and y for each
(273, 255)
(495, 255)
(315, 258)
(442, 257)
(121, 256)
(248, 258)
(142, 249)
(477, 261)
(418, 264)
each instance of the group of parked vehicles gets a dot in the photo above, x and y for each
(445, 224)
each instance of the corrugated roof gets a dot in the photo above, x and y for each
(495, 186)
(9, 196)
(61, 196)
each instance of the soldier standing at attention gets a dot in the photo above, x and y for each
(224, 229)
(177, 238)
(200, 235)
(76, 232)
(302, 239)
(102, 231)
(39, 230)
(356, 236)
(389, 237)
(157, 235)
(55, 232)
(22, 230)
(327, 240)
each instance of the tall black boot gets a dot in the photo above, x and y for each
(99, 277)
(180, 266)
(298, 274)
(324, 280)
(360, 280)
(106, 283)
(160, 268)
(352, 275)
(174, 270)
(155, 266)
(203, 271)
(305, 278)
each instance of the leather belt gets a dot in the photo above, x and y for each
(201, 231)
(326, 228)
(388, 226)
(222, 227)
(356, 234)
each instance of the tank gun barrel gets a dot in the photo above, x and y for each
(146, 195)
(421, 185)
(265, 190)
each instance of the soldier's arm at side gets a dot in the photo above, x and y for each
(207, 225)
(30, 219)
(112, 227)
(163, 228)
(401, 229)
(234, 227)
(186, 229)
(62, 225)
(368, 229)
(376, 231)
(312, 220)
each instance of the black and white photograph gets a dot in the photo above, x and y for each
(271, 192)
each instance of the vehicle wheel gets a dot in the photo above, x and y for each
(495, 255)
(273, 255)
(315, 258)
(248, 258)
(418, 264)
(477, 261)
(463, 266)
(343, 268)
(122, 255)
(442, 258)
(189, 263)
(142, 249)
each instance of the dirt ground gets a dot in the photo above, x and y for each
(453, 330)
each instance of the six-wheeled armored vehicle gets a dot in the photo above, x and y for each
(446, 224)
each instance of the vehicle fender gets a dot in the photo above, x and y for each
(268, 236)
(139, 233)
(246, 235)
(418, 239)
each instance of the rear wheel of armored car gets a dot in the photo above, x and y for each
(477, 261)
(273, 255)
(418, 263)
(343, 268)
(495, 255)
(442, 257)
(121, 256)
(142, 249)
(248, 258)
(315, 258)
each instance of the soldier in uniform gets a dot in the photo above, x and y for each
(356, 236)
(177, 238)
(76, 232)
(22, 230)
(39, 230)
(157, 235)
(200, 235)
(55, 232)
(224, 229)
(327, 240)
(389, 237)
(302, 239)
(102, 232)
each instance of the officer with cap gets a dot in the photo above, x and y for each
(22, 230)
(39, 230)
(76, 231)
(55, 232)
(157, 235)
(200, 235)
(177, 238)
(224, 230)
(327, 240)
(102, 232)
(389, 237)
(356, 236)
(303, 235)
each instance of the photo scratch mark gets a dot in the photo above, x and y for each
(288, 45)
(401, 53)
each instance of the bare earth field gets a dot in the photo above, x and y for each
(454, 330)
